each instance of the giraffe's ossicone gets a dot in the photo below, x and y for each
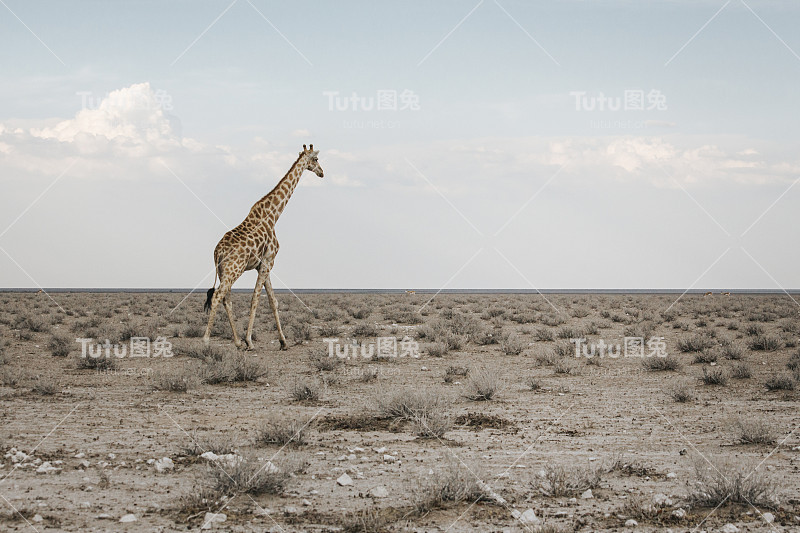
(252, 245)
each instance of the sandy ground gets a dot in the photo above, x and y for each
(78, 444)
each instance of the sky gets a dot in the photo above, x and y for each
(466, 144)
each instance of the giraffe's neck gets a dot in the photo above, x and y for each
(271, 206)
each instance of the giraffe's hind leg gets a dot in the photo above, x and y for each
(274, 304)
(262, 274)
(229, 309)
(219, 294)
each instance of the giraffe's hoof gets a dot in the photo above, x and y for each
(250, 347)
(283, 345)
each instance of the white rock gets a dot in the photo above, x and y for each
(382, 449)
(379, 492)
(37, 518)
(84, 505)
(151, 461)
(209, 456)
(164, 465)
(631, 523)
(213, 518)
(47, 468)
(389, 458)
(128, 518)
(529, 517)
(587, 495)
(104, 516)
(18, 457)
(307, 503)
(662, 500)
(729, 528)
(344, 480)
(671, 475)
(291, 509)
(768, 517)
(678, 513)
(515, 514)
(80, 455)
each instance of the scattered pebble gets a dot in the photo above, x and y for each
(587, 495)
(128, 518)
(729, 528)
(213, 518)
(164, 464)
(768, 517)
(631, 523)
(344, 480)
(379, 492)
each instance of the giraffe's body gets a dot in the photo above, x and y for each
(252, 245)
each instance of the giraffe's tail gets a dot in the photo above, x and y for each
(210, 295)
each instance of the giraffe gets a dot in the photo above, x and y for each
(252, 245)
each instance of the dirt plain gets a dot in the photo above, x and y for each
(78, 444)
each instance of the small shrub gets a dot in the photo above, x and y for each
(483, 385)
(766, 343)
(695, 343)
(721, 483)
(533, 384)
(754, 330)
(715, 376)
(543, 334)
(733, 351)
(512, 345)
(182, 380)
(437, 349)
(453, 484)
(365, 330)
(781, 381)
(60, 345)
(325, 362)
(706, 356)
(306, 390)
(566, 366)
(453, 372)
(97, 363)
(368, 374)
(330, 330)
(410, 404)
(433, 425)
(741, 371)
(662, 364)
(280, 431)
(235, 368)
(794, 362)
(46, 386)
(682, 393)
(753, 431)
(250, 475)
(561, 481)
(219, 443)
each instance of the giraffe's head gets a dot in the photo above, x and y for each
(311, 160)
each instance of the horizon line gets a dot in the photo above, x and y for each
(718, 291)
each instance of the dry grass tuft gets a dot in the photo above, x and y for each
(280, 431)
(720, 483)
(483, 385)
(566, 481)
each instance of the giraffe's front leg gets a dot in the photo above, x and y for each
(262, 274)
